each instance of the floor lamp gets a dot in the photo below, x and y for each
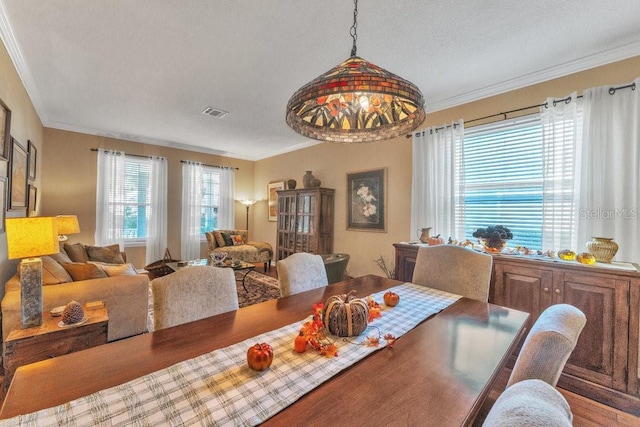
(27, 239)
(248, 204)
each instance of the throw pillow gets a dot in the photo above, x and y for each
(53, 273)
(118, 269)
(228, 241)
(61, 256)
(83, 271)
(109, 254)
(237, 240)
(76, 252)
(219, 238)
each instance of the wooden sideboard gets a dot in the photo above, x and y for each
(604, 364)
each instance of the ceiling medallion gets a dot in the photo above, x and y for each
(356, 101)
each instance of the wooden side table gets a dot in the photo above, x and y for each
(24, 346)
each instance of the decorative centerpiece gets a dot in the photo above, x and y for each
(218, 257)
(345, 315)
(494, 237)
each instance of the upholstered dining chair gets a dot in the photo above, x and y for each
(301, 272)
(193, 293)
(454, 269)
(530, 403)
(548, 345)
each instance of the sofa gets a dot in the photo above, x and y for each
(84, 274)
(237, 246)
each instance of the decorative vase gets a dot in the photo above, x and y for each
(316, 183)
(602, 248)
(291, 184)
(425, 233)
(307, 180)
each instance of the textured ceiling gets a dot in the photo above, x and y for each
(144, 70)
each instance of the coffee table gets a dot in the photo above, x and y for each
(243, 267)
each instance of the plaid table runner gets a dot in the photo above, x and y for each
(218, 388)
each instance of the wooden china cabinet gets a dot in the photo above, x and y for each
(305, 221)
(604, 364)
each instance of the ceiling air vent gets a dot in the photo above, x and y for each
(210, 111)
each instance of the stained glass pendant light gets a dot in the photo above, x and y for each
(356, 101)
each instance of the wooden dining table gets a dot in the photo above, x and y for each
(439, 373)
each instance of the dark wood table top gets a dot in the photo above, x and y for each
(438, 374)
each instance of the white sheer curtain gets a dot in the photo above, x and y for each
(157, 222)
(191, 210)
(610, 190)
(226, 208)
(561, 151)
(438, 181)
(110, 187)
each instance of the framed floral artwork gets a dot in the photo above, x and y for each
(366, 200)
(18, 164)
(272, 189)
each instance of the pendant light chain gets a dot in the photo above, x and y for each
(354, 28)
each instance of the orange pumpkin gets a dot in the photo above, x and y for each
(437, 240)
(259, 356)
(300, 343)
(391, 299)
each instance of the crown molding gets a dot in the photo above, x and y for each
(11, 44)
(582, 64)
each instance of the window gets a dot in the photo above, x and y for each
(210, 199)
(503, 179)
(137, 198)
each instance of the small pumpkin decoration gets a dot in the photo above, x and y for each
(300, 343)
(259, 356)
(436, 240)
(345, 315)
(391, 299)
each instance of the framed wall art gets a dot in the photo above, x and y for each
(5, 129)
(273, 199)
(33, 197)
(18, 164)
(33, 157)
(366, 200)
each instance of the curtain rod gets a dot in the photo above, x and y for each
(149, 157)
(211, 166)
(126, 154)
(612, 91)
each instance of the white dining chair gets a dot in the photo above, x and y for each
(454, 269)
(193, 293)
(549, 344)
(530, 403)
(301, 272)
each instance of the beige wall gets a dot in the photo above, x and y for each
(67, 168)
(70, 187)
(331, 162)
(25, 126)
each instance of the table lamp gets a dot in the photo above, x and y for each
(27, 239)
(67, 224)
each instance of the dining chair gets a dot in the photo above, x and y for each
(454, 269)
(301, 272)
(193, 293)
(548, 345)
(530, 403)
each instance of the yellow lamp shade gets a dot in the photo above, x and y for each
(31, 237)
(68, 224)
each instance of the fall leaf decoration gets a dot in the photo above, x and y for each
(314, 333)
(374, 309)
